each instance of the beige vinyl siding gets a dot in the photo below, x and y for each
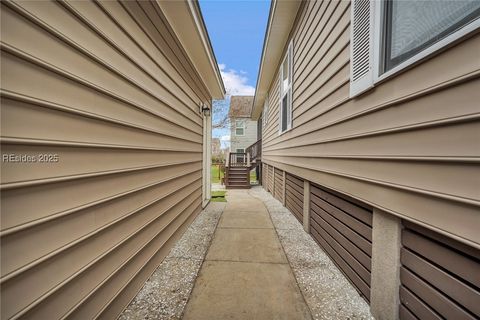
(107, 87)
(409, 146)
(249, 137)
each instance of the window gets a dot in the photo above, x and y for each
(265, 112)
(286, 90)
(413, 26)
(240, 157)
(388, 36)
(239, 127)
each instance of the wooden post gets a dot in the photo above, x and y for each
(273, 182)
(284, 191)
(260, 173)
(306, 206)
(266, 177)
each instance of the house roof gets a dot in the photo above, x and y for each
(240, 106)
(280, 22)
(187, 22)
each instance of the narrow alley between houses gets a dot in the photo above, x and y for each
(199, 159)
(248, 258)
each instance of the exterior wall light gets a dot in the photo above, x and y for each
(205, 110)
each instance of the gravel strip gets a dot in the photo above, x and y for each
(196, 240)
(166, 292)
(327, 292)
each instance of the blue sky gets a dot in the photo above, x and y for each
(236, 30)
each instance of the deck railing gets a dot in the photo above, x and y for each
(249, 159)
(237, 159)
(255, 150)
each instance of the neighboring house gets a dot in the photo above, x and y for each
(374, 145)
(105, 149)
(243, 130)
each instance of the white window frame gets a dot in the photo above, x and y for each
(286, 91)
(240, 158)
(239, 127)
(377, 51)
(265, 112)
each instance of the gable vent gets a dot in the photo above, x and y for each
(361, 73)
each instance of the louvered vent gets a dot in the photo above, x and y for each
(361, 38)
(361, 68)
(439, 276)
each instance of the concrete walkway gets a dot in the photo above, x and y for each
(245, 274)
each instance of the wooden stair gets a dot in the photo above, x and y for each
(238, 178)
(239, 165)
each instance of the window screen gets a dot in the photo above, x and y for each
(239, 128)
(240, 157)
(285, 111)
(286, 90)
(265, 112)
(412, 26)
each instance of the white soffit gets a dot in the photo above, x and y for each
(280, 22)
(186, 21)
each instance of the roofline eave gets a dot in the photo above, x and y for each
(280, 22)
(187, 22)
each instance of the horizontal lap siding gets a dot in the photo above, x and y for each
(106, 87)
(294, 196)
(406, 145)
(439, 276)
(343, 228)
(278, 192)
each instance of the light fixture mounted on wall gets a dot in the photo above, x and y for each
(204, 109)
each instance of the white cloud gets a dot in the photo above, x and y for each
(225, 138)
(235, 82)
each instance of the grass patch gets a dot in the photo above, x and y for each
(215, 176)
(253, 176)
(218, 196)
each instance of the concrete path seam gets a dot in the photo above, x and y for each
(286, 257)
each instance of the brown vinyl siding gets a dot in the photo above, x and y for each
(108, 88)
(294, 196)
(407, 146)
(278, 192)
(344, 230)
(439, 276)
(264, 175)
(270, 179)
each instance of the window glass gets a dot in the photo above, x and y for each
(265, 112)
(412, 26)
(286, 90)
(240, 157)
(285, 75)
(239, 128)
(285, 112)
